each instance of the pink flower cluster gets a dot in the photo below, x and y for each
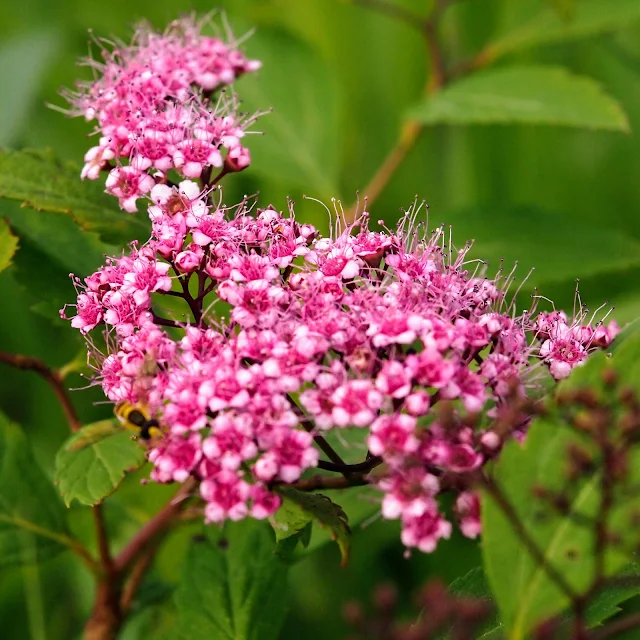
(368, 330)
(153, 106)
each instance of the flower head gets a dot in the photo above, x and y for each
(153, 106)
(376, 332)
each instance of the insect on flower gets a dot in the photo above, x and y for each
(135, 417)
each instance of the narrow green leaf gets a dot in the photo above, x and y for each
(234, 587)
(300, 507)
(32, 518)
(8, 245)
(93, 462)
(40, 181)
(523, 95)
(23, 62)
(590, 17)
(301, 136)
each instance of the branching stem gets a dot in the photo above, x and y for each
(51, 377)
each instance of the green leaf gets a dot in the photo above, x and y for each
(72, 249)
(523, 95)
(8, 245)
(474, 585)
(525, 593)
(234, 586)
(605, 604)
(23, 61)
(291, 525)
(40, 181)
(299, 508)
(591, 17)
(628, 332)
(551, 242)
(93, 462)
(565, 9)
(51, 247)
(288, 546)
(32, 518)
(301, 142)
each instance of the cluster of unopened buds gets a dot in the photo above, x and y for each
(366, 331)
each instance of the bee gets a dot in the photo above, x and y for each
(135, 417)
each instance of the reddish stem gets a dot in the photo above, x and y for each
(157, 526)
(53, 379)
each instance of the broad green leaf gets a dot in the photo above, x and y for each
(51, 248)
(74, 250)
(299, 505)
(40, 181)
(32, 518)
(474, 585)
(301, 142)
(8, 245)
(290, 519)
(590, 17)
(525, 593)
(605, 604)
(600, 608)
(288, 546)
(23, 62)
(523, 95)
(94, 461)
(552, 243)
(234, 587)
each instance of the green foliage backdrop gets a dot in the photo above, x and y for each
(342, 80)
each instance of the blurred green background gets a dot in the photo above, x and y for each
(340, 78)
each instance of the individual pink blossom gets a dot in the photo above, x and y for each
(393, 437)
(394, 380)
(562, 355)
(226, 495)
(431, 369)
(232, 441)
(467, 509)
(264, 503)
(355, 403)
(291, 452)
(175, 458)
(128, 184)
(424, 531)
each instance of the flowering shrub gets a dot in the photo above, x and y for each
(280, 376)
(366, 329)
